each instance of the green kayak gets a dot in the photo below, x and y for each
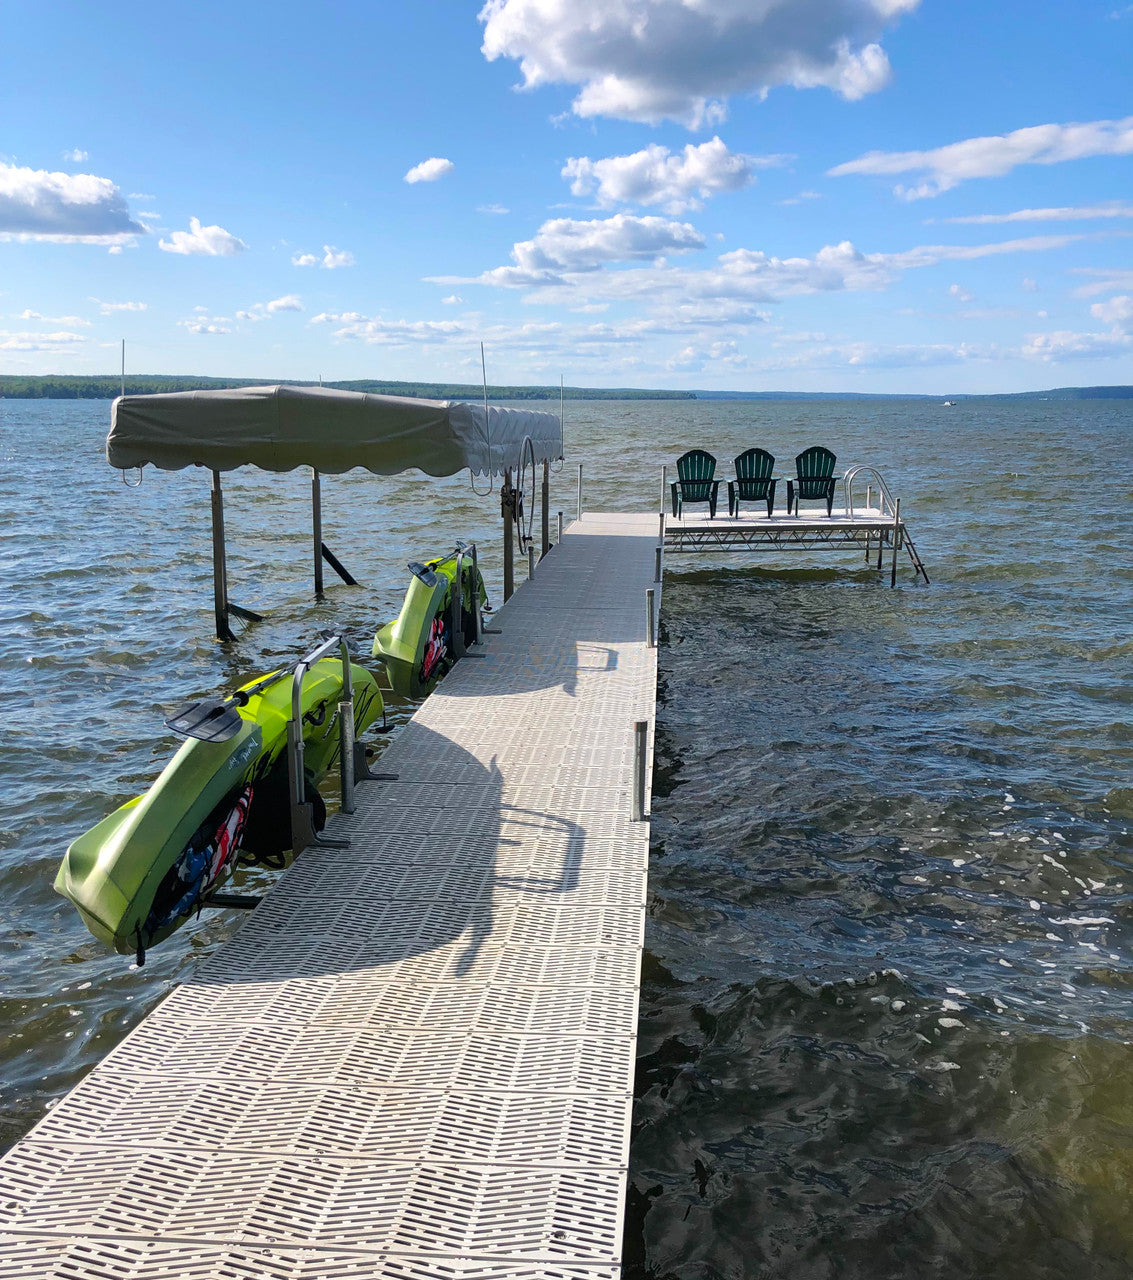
(417, 647)
(142, 872)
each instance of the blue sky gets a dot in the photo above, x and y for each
(863, 195)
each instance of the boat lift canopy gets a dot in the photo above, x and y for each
(279, 428)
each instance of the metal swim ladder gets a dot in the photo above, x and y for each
(887, 505)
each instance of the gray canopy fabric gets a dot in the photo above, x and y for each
(279, 428)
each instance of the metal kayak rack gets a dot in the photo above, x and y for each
(351, 756)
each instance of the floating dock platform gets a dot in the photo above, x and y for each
(415, 1058)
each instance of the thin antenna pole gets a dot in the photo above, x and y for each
(123, 366)
(484, 373)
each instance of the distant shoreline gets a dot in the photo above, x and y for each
(60, 387)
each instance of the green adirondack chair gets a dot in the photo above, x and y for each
(814, 478)
(695, 483)
(753, 481)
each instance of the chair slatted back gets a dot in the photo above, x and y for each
(695, 471)
(754, 468)
(815, 469)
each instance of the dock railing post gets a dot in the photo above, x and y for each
(650, 620)
(317, 528)
(657, 563)
(664, 485)
(661, 527)
(640, 748)
(560, 526)
(580, 490)
(530, 562)
(896, 535)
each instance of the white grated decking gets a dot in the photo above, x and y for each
(415, 1059)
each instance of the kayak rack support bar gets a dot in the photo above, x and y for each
(640, 743)
(303, 832)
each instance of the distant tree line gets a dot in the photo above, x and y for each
(50, 387)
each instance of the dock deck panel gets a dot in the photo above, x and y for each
(415, 1058)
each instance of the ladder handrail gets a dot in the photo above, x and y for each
(888, 504)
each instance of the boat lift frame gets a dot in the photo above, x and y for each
(223, 607)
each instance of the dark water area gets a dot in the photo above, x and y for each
(885, 1019)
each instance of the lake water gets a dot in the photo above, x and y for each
(886, 1016)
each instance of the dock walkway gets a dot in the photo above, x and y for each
(415, 1058)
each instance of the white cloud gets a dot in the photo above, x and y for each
(741, 277)
(1106, 280)
(75, 156)
(430, 170)
(1051, 348)
(63, 320)
(801, 197)
(1117, 311)
(453, 300)
(650, 60)
(62, 208)
(261, 310)
(656, 176)
(946, 167)
(960, 293)
(209, 242)
(332, 258)
(492, 208)
(38, 341)
(565, 245)
(1111, 209)
(203, 323)
(109, 308)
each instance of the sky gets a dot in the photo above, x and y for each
(925, 196)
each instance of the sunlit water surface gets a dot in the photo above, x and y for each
(885, 1022)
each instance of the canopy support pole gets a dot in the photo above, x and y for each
(219, 566)
(317, 528)
(545, 508)
(508, 504)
